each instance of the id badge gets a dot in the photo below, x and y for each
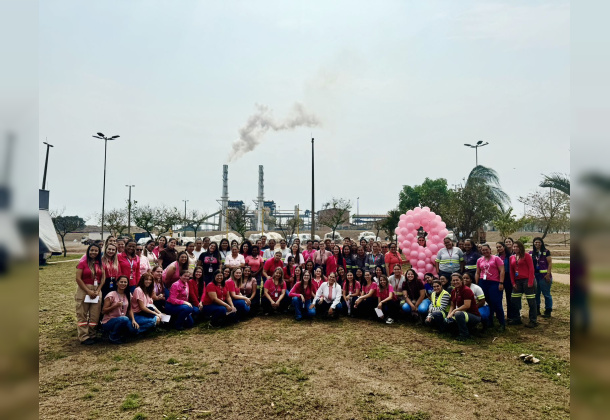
(131, 276)
(516, 274)
(484, 276)
(276, 294)
(211, 269)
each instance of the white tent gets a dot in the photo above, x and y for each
(48, 244)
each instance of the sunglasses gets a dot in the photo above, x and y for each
(139, 249)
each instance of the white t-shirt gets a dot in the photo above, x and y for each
(478, 292)
(198, 253)
(234, 262)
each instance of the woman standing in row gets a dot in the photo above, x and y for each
(148, 253)
(522, 277)
(235, 259)
(210, 261)
(255, 262)
(490, 276)
(172, 273)
(89, 279)
(162, 244)
(110, 262)
(169, 254)
(543, 263)
(392, 258)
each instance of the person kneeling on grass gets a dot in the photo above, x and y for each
(118, 318)
(144, 311)
(414, 295)
(240, 302)
(217, 303)
(302, 294)
(178, 305)
(274, 293)
(328, 298)
(480, 297)
(439, 306)
(463, 311)
(387, 302)
(364, 306)
(351, 291)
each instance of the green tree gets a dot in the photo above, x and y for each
(145, 218)
(550, 211)
(470, 208)
(484, 176)
(239, 220)
(66, 224)
(166, 218)
(288, 227)
(334, 213)
(390, 223)
(432, 193)
(560, 182)
(507, 223)
(194, 220)
(116, 221)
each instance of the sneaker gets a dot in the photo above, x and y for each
(514, 322)
(389, 321)
(88, 342)
(531, 325)
(547, 313)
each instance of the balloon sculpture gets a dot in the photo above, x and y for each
(421, 258)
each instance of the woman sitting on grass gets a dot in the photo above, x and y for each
(414, 294)
(439, 306)
(144, 312)
(464, 311)
(328, 298)
(250, 289)
(159, 288)
(387, 301)
(172, 273)
(118, 318)
(274, 293)
(367, 301)
(351, 291)
(242, 303)
(302, 294)
(178, 305)
(216, 302)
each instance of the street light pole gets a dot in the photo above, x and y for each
(101, 136)
(313, 218)
(185, 201)
(129, 211)
(358, 209)
(46, 164)
(476, 149)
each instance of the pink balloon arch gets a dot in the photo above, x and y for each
(421, 258)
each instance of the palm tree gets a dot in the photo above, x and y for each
(559, 182)
(597, 180)
(487, 177)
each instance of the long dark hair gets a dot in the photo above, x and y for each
(412, 271)
(507, 252)
(217, 272)
(241, 247)
(216, 253)
(200, 280)
(340, 258)
(150, 289)
(126, 292)
(184, 266)
(521, 248)
(387, 283)
(542, 247)
(92, 261)
(257, 253)
(308, 282)
(223, 240)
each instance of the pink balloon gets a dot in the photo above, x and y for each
(442, 225)
(397, 231)
(421, 256)
(415, 246)
(420, 275)
(426, 209)
(429, 267)
(403, 217)
(410, 237)
(432, 224)
(409, 213)
(402, 224)
(414, 255)
(421, 264)
(433, 248)
(413, 262)
(409, 219)
(417, 210)
(434, 239)
(404, 231)
(443, 233)
(433, 214)
(410, 226)
(428, 252)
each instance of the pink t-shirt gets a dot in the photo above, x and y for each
(309, 292)
(373, 286)
(490, 269)
(114, 297)
(274, 291)
(318, 283)
(138, 294)
(383, 294)
(221, 292)
(351, 289)
(87, 276)
(254, 262)
(308, 255)
(231, 287)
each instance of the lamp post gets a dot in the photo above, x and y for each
(313, 213)
(46, 164)
(185, 201)
(357, 210)
(476, 148)
(129, 211)
(103, 137)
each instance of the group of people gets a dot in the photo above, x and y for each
(133, 287)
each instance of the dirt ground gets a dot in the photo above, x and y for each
(274, 367)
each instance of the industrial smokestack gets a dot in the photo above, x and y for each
(224, 199)
(261, 197)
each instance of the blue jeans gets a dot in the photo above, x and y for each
(302, 309)
(182, 315)
(242, 308)
(545, 288)
(437, 320)
(465, 320)
(493, 296)
(218, 314)
(485, 313)
(118, 327)
(146, 322)
(422, 309)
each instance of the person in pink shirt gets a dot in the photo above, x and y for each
(334, 261)
(129, 265)
(308, 252)
(522, 278)
(255, 262)
(240, 302)
(274, 293)
(195, 291)
(321, 256)
(146, 315)
(144, 263)
(90, 279)
(328, 297)
(110, 262)
(289, 273)
(318, 278)
(272, 264)
(118, 318)
(178, 305)
(161, 246)
(387, 301)
(302, 294)
(366, 303)
(171, 274)
(216, 302)
(490, 276)
(351, 291)
(159, 288)
(250, 289)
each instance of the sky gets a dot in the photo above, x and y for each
(396, 88)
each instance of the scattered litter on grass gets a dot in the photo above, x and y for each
(529, 358)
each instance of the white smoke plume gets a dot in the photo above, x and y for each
(251, 134)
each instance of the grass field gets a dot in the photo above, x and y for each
(277, 368)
